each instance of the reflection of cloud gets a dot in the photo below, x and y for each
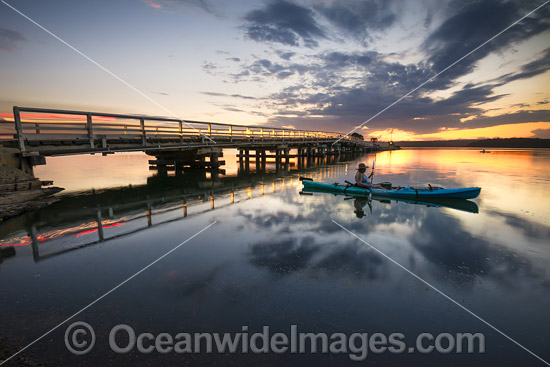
(9, 39)
(530, 229)
(313, 255)
(351, 260)
(463, 257)
(447, 246)
(284, 256)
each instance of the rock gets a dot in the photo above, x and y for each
(16, 202)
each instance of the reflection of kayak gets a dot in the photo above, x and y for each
(458, 204)
(403, 192)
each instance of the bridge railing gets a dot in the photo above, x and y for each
(91, 130)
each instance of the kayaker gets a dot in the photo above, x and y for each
(362, 180)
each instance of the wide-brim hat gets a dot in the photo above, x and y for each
(362, 166)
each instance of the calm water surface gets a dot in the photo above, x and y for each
(276, 258)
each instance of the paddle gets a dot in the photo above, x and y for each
(371, 179)
(372, 173)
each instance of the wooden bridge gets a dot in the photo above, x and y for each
(40, 133)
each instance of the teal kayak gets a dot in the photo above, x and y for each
(396, 192)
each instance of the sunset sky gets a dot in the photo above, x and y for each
(312, 64)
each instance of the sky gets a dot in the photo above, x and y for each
(308, 64)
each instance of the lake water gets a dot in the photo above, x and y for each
(275, 258)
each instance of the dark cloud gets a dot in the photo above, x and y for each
(286, 55)
(473, 23)
(339, 90)
(382, 84)
(529, 70)
(210, 6)
(358, 18)
(267, 68)
(509, 118)
(9, 39)
(236, 59)
(284, 22)
(341, 59)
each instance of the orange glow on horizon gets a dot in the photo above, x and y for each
(47, 116)
(522, 130)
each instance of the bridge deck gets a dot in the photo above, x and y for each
(59, 132)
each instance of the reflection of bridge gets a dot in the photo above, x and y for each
(87, 219)
(175, 143)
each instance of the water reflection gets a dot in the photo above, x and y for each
(278, 259)
(87, 218)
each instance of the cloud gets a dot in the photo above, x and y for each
(358, 18)
(235, 59)
(339, 89)
(216, 94)
(531, 69)
(209, 6)
(9, 39)
(541, 133)
(345, 89)
(286, 55)
(231, 108)
(210, 68)
(267, 68)
(152, 4)
(473, 23)
(284, 22)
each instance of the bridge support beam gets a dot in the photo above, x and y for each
(178, 160)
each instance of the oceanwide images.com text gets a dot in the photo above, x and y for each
(80, 339)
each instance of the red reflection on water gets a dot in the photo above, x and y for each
(27, 240)
(95, 230)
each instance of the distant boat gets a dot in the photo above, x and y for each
(485, 151)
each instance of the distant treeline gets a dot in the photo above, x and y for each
(435, 143)
(512, 143)
(484, 143)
